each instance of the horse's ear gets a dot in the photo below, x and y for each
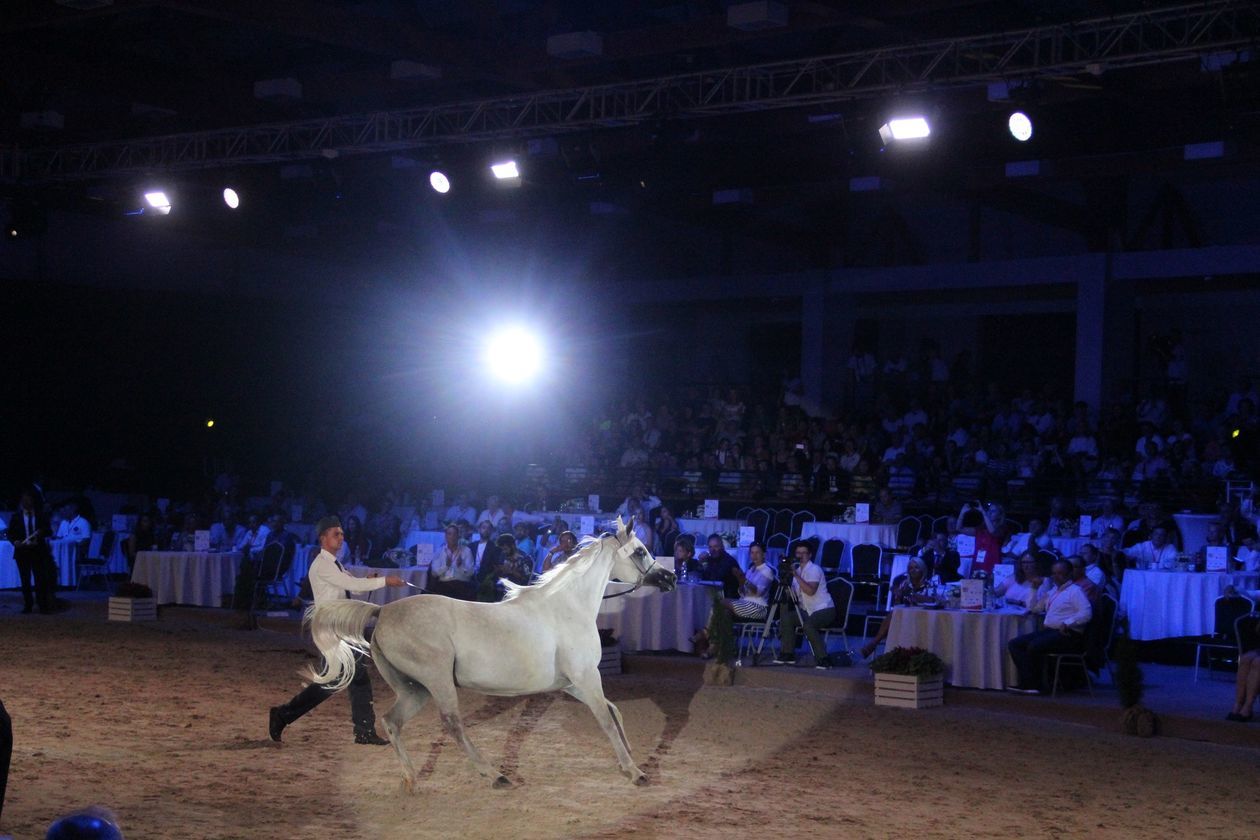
(621, 526)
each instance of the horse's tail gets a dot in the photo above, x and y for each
(337, 628)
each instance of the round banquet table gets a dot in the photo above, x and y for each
(852, 534)
(650, 619)
(415, 575)
(1067, 546)
(1162, 605)
(8, 567)
(704, 527)
(972, 644)
(1193, 528)
(198, 578)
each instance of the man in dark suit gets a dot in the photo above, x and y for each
(486, 555)
(28, 531)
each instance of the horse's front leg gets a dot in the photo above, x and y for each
(590, 690)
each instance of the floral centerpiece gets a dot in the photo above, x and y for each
(911, 678)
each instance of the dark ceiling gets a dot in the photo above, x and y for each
(135, 68)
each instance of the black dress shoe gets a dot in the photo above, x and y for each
(370, 738)
(275, 723)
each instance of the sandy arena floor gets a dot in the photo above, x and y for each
(165, 724)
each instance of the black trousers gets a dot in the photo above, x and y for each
(6, 752)
(38, 575)
(1030, 650)
(361, 711)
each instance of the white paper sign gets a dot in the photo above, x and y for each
(1087, 525)
(747, 534)
(710, 508)
(1002, 572)
(120, 523)
(862, 512)
(586, 526)
(438, 497)
(201, 540)
(424, 554)
(971, 595)
(965, 545)
(1216, 557)
(295, 513)
(592, 502)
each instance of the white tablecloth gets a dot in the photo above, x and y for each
(198, 578)
(972, 644)
(8, 567)
(704, 527)
(1162, 605)
(650, 619)
(1067, 546)
(416, 575)
(413, 537)
(867, 532)
(1193, 528)
(65, 554)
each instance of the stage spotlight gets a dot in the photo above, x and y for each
(158, 201)
(513, 355)
(439, 182)
(231, 198)
(904, 128)
(505, 170)
(1020, 126)
(210, 423)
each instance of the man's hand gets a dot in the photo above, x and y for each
(395, 580)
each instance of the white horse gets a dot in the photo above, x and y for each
(539, 638)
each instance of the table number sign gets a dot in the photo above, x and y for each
(747, 534)
(710, 508)
(1002, 572)
(424, 554)
(586, 526)
(971, 594)
(1086, 525)
(965, 545)
(201, 540)
(862, 512)
(1216, 556)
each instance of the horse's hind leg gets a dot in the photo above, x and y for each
(410, 697)
(448, 704)
(590, 691)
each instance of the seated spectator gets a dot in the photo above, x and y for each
(1215, 537)
(1248, 556)
(1246, 686)
(1081, 579)
(1110, 557)
(1067, 612)
(142, 538)
(565, 547)
(460, 509)
(647, 501)
(912, 588)
(277, 533)
(185, 538)
(453, 568)
(718, 566)
(511, 565)
(887, 510)
(817, 610)
(1155, 553)
(1024, 588)
(73, 525)
(1095, 573)
(357, 547)
(938, 556)
(830, 482)
(493, 512)
(384, 529)
(752, 603)
(667, 531)
(524, 534)
(224, 535)
(1107, 518)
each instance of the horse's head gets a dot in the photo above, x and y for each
(635, 563)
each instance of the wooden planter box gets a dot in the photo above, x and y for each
(133, 609)
(610, 661)
(909, 692)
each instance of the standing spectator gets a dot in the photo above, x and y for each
(29, 531)
(73, 525)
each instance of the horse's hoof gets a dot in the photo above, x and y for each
(639, 779)
(502, 782)
(409, 785)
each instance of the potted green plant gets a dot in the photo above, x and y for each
(910, 678)
(132, 602)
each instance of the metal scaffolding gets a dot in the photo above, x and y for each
(1156, 36)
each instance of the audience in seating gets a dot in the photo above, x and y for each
(453, 568)
(1067, 611)
(718, 566)
(1247, 683)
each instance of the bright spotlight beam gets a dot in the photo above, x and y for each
(905, 128)
(231, 198)
(506, 169)
(158, 201)
(1020, 126)
(514, 355)
(439, 182)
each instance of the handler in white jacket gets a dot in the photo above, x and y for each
(329, 582)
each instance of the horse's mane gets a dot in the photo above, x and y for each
(561, 577)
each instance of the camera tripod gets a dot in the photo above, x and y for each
(784, 597)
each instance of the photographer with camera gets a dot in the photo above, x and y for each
(810, 608)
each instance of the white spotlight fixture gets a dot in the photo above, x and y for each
(904, 128)
(158, 201)
(439, 182)
(505, 170)
(231, 198)
(514, 355)
(1020, 126)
